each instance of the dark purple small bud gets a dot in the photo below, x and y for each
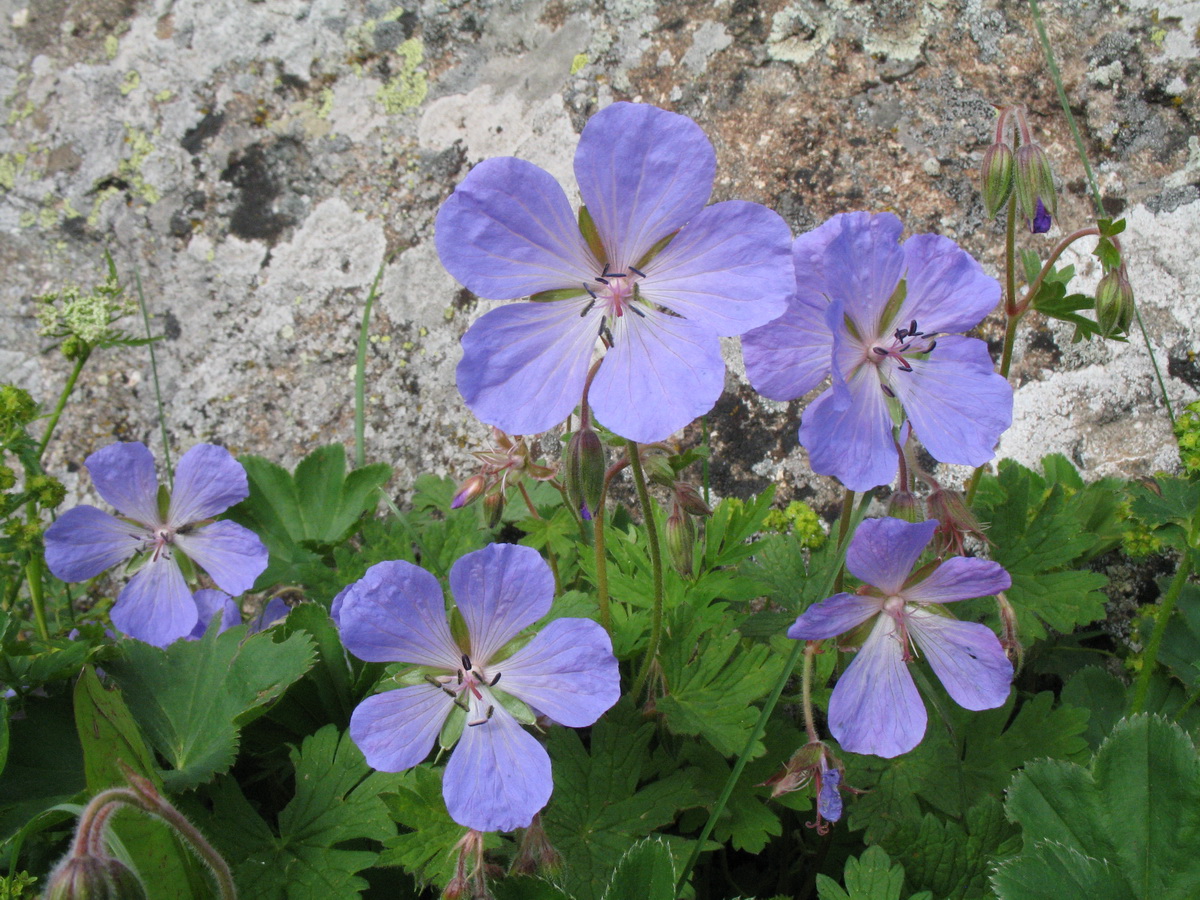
(1034, 182)
(1114, 303)
(829, 798)
(997, 182)
(1041, 221)
(468, 491)
(583, 471)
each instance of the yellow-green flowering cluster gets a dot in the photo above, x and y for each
(800, 520)
(1187, 432)
(85, 316)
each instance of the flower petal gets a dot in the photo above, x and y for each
(273, 613)
(661, 373)
(643, 172)
(85, 541)
(231, 553)
(865, 264)
(208, 604)
(875, 707)
(508, 231)
(208, 480)
(833, 616)
(948, 291)
(966, 656)
(396, 613)
(524, 365)
(156, 606)
(959, 406)
(395, 730)
(567, 671)
(848, 431)
(960, 578)
(498, 776)
(884, 551)
(790, 356)
(499, 590)
(123, 474)
(730, 267)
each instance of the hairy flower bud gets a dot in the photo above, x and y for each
(493, 508)
(955, 521)
(583, 471)
(681, 540)
(1034, 185)
(997, 182)
(468, 491)
(93, 878)
(905, 505)
(1114, 303)
(689, 498)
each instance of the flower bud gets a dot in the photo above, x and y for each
(997, 182)
(8, 478)
(583, 471)
(74, 347)
(17, 408)
(47, 491)
(905, 505)
(468, 491)
(1034, 186)
(93, 878)
(1114, 303)
(493, 508)
(681, 539)
(689, 498)
(955, 521)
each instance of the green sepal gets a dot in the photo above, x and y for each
(892, 308)
(657, 248)
(587, 227)
(458, 629)
(519, 709)
(164, 502)
(452, 728)
(556, 295)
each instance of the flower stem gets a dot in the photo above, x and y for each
(843, 527)
(806, 675)
(62, 400)
(550, 558)
(158, 400)
(639, 479)
(37, 599)
(360, 377)
(1150, 656)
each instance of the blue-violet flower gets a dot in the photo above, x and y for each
(875, 707)
(644, 175)
(156, 605)
(498, 776)
(885, 319)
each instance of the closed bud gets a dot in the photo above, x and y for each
(16, 407)
(1114, 303)
(74, 347)
(493, 508)
(583, 471)
(93, 878)
(8, 478)
(468, 491)
(681, 539)
(905, 505)
(47, 491)
(689, 498)
(997, 182)
(1034, 186)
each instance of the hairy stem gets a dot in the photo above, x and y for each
(360, 374)
(1150, 656)
(62, 400)
(639, 479)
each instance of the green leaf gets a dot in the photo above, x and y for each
(868, 877)
(45, 763)
(191, 699)
(1172, 505)
(712, 678)
(600, 805)
(1135, 810)
(337, 801)
(731, 524)
(326, 694)
(1051, 872)
(646, 871)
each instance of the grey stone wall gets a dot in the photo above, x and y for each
(257, 162)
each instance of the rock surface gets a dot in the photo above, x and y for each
(256, 163)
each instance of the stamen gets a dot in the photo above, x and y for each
(638, 311)
(603, 324)
(587, 309)
(605, 272)
(912, 328)
(887, 390)
(637, 272)
(494, 681)
(460, 676)
(602, 279)
(616, 274)
(466, 661)
(879, 351)
(589, 290)
(904, 366)
(901, 333)
(929, 349)
(462, 704)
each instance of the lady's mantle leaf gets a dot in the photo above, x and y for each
(869, 877)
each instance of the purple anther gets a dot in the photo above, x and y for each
(637, 272)
(912, 329)
(905, 367)
(879, 351)
(587, 309)
(589, 290)
(603, 281)
(887, 390)
(466, 662)
(929, 349)
(638, 311)
(494, 681)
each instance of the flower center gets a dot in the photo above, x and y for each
(894, 606)
(159, 541)
(468, 680)
(903, 342)
(613, 293)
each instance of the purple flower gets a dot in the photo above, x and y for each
(1040, 223)
(644, 174)
(885, 319)
(208, 604)
(156, 605)
(498, 776)
(875, 707)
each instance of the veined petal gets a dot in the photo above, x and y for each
(524, 365)
(123, 474)
(643, 172)
(875, 707)
(814, 276)
(884, 551)
(730, 267)
(499, 590)
(866, 263)
(960, 578)
(231, 553)
(396, 613)
(395, 730)
(508, 231)
(85, 541)
(948, 291)
(498, 776)
(833, 616)
(208, 480)
(959, 406)
(156, 606)
(966, 656)
(208, 604)
(567, 671)
(661, 373)
(848, 433)
(790, 356)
